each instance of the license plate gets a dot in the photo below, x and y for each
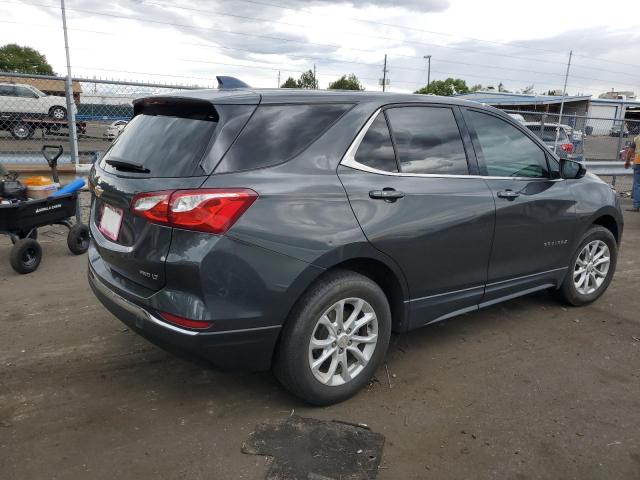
(110, 222)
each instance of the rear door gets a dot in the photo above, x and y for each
(170, 144)
(28, 101)
(535, 211)
(407, 178)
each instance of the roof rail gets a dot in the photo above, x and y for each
(230, 82)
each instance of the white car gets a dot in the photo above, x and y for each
(25, 99)
(518, 117)
(115, 129)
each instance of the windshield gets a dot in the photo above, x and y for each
(165, 146)
(38, 91)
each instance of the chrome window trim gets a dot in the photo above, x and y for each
(349, 160)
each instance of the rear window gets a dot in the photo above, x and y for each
(549, 133)
(277, 133)
(165, 146)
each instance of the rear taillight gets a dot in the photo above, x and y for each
(567, 147)
(185, 322)
(205, 210)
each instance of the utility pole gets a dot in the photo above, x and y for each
(428, 58)
(384, 73)
(564, 94)
(315, 82)
(71, 116)
(278, 86)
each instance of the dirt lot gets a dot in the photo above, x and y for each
(528, 389)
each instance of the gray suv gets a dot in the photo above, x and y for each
(298, 229)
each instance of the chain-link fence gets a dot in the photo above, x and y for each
(34, 113)
(594, 140)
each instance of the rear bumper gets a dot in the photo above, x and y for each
(249, 349)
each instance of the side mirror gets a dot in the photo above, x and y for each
(571, 169)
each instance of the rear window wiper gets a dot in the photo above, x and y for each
(124, 165)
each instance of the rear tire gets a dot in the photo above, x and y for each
(307, 337)
(25, 256)
(591, 268)
(22, 131)
(78, 239)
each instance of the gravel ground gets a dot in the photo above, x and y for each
(527, 389)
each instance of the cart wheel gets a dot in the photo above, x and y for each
(26, 255)
(78, 239)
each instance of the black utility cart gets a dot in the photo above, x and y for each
(21, 220)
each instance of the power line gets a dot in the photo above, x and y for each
(328, 59)
(400, 27)
(271, 21)
(181, 25)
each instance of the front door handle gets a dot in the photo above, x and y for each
(387, 194)
(508, 194)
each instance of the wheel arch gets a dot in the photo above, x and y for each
(609, 219)
(366, 261)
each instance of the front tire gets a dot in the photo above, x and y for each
(591, 269)
(335, 338)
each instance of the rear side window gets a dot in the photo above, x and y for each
(428, 140)
(277, 133)
(166, 146)
(506, 151)
(376, 149)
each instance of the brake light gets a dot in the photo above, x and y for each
(205, 210)
(567, 147)
(185, 322)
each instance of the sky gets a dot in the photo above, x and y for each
(515, 43)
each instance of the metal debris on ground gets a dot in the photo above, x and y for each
(304, 448)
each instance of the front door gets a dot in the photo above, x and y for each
(535, 211)
(412, 194)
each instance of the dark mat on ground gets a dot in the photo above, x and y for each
(310, 449)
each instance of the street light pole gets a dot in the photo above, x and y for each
(428, 58)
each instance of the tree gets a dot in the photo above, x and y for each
(528, 89)
(17, 59)
(290, 83)
(448, 87)
(346, 82)
(476, 88)
(308, 80)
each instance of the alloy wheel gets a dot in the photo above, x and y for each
(343, 341)
(58, 113)
(591, 267)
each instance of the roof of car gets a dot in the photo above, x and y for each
(285, 95)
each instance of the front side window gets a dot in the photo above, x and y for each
(506, 151)
(25, 93)
(428, 140)
(376, 149)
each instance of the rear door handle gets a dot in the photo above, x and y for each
(508, 194)
(389, 194)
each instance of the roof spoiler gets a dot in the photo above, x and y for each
(230, 82)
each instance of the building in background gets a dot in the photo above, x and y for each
(623, 95)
